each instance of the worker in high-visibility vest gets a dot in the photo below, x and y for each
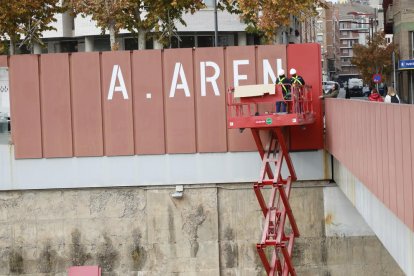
(284, 84)
(297, 83)
(295, 79)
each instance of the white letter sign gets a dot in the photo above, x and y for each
(174, 86)
(212, 80)
(236, 75)
(116, 73)
(268, 71)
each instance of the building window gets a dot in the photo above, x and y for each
(412, 45)
(205, 41)
(319, 39)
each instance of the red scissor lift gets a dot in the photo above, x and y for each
(253, 107)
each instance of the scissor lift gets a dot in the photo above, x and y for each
(253, 107)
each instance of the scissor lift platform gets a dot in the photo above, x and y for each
(254, 107)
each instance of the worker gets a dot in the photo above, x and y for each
(295, 79)
(284, 84)
(297, 82)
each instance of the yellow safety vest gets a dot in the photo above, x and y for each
(296, 80)
(280, 81)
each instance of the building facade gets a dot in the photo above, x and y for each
(79, 34)
(356, 26)
(324, 29)
(399, 21)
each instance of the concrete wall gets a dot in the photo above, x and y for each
(396, 236)
(212, 230)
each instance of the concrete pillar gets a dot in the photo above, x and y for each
(157, 44)
(242, 39)
(51, 47)
(37, 49)
(88, 44)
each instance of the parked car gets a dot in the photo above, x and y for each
(366, 91)
(328, 86)
(354, 88)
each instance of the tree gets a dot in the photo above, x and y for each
(374, 58)
(266, 16)
(26, 19)
(137, 16)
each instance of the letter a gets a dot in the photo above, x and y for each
(174, 86)
(116, 73)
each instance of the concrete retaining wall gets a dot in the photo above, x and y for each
(397, 238)
(212, 230)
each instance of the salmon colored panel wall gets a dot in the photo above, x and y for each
(406, 165)
(148, 102)
(376, 146)
(179, 101)
(411, 168)
(210, 95)
(117, 112)
(391, 160)
(305, 58)
(385, 172)
(355, 139)
(380, 152)
(25, 106)
(4, 61)
(373, 147)
(399, 180)
(243, 59)
(86, 104)
(270, 57)
(55, 105)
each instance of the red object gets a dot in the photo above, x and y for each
(377, 78)
(306, 59)
(375, 97)
(84, 271)
(244, 114)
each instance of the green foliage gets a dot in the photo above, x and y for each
(374, 58)
(266, 16)
(27, 19)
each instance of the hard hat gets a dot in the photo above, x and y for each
(281, 72)
(292, 71)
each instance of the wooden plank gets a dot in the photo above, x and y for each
(210, 95)
(148, 102)
(25, 106)
(117, 103)
(86, 104)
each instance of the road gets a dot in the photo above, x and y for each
(342, 95)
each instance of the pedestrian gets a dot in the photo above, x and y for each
(333, 93)
(284, 84)
(375, 96)
(392, 97)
